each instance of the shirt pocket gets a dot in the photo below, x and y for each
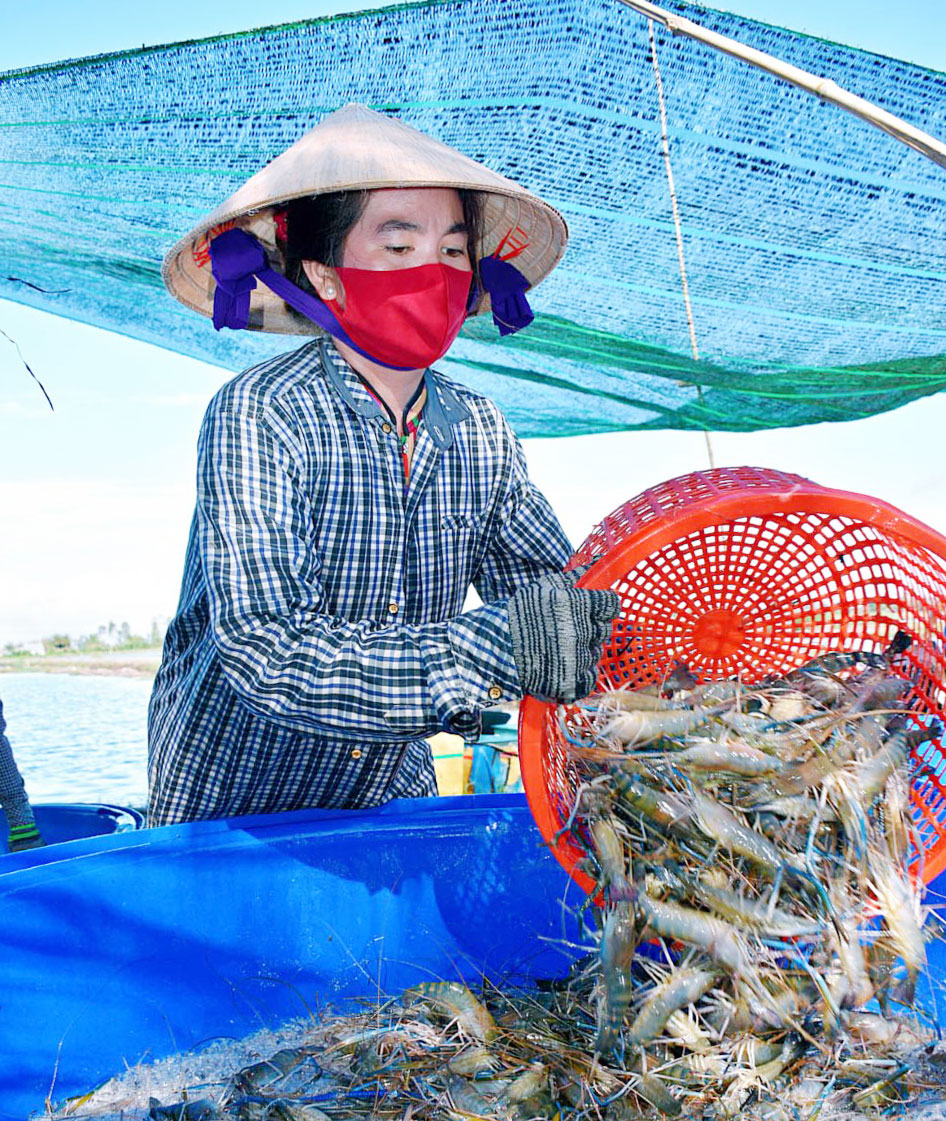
(459, 523)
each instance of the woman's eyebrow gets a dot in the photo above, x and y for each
(397, 224)
(412, 227)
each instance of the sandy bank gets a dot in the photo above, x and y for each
(114, 663)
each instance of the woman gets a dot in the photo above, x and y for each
(349, 495)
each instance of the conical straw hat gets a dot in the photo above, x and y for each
(351, 149)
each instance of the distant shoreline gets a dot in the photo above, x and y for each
(108, 663)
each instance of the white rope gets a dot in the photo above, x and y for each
(674, 209)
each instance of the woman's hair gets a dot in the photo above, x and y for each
(316, 228)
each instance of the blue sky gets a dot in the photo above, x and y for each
(52, 30)
(95, 498)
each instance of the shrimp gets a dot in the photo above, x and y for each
(785, 741)
(869, 778)
(633, 729)
(733, 1101)
(652, 1090)
(468, 1101)
(723, 827)
(717, 938)
(472, 1061)
(876, 1031)
(683, 1028)
(455, 1002)
(287, 1109)
(793, 704)
(768, 922)
(876, 689)
(799, 777)
(711, 692)
(745, 1051)
(733, 758)
(631, 700)
(619, 938)
(531, 1082)
(852, 791)
(254, 1078)
(819, 679)
(899, 904)
(684, 986)
(794, 807)
(609, 849)
(202, 1110)
(850, 986)
(680, 678)
(658, 806)
(764, 919)
(793, 1048)
(825, 690)
(897, 824)
(829, 664)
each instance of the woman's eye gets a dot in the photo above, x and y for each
(398, 249)
(453, 251)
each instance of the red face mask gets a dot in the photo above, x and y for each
(404, 318)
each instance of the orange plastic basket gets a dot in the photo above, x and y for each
(750, 571)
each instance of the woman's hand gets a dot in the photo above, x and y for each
(557, 632)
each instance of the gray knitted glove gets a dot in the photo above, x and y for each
(557, 633)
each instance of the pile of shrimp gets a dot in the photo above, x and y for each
(754, 944)
(756, 843)
(440, 1051)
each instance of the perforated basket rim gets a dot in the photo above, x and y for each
(800, 496)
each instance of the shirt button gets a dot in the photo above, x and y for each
(393, 608)
(386, 429)
(495, 692)
(356, 753)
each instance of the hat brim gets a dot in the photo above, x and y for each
(318, 164)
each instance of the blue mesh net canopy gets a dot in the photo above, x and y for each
(815, 245)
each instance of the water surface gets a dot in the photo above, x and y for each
(79, 737)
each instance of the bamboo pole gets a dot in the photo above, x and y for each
(824, 88)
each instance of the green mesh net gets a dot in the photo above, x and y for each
(815, 245)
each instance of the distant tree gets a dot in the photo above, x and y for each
(134, 642)
(57, 644)
(92, 643)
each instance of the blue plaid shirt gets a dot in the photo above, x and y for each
(320, 633)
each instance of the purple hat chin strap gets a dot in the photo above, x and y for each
(507, 291)
(237, 260)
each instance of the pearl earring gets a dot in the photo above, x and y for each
(330, 293)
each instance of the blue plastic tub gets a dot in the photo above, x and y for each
(138, 945)
(142, 944)
(59, 822)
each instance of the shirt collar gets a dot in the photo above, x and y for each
(443, 409)
(415, 406)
